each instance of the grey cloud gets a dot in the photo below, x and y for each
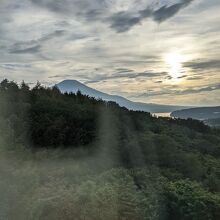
(57, 6)
(200, 65)
(14, 66)
(195, 78)
(100, 10)
(146, 74)
(34, 46)
(126, 74)
(56, 33)
(77, 36)
(209, 88)
(88, 9)
(165, 12)
(60, 76)
(19, 50)
(91, 81)
(168, 77)
(159, 81)
(92, 15)
(182, 77)
(49, 36)
(124, 70)
(124, 21)
(2, 47)
(199, 90)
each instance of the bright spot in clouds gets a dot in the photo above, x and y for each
(174, 62)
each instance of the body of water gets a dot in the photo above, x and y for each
(166, 114)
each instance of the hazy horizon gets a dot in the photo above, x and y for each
(150, 51)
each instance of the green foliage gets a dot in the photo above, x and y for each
(69, 156)
(188, 200)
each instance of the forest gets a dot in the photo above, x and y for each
(70, 156)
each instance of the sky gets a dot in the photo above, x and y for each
(152, 51)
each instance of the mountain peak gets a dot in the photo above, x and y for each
(69, 82)
(74, 86)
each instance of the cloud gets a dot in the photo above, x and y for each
(127, 74)
(200, 65)
(198, 90)
(48, 33)
(195, 78)
(124, 21)
(176, 92)
(56, 33)
(90, 10)
(19, 50)
(182, 77)
(124, 71)
(91, 81)
(159, 82)
(14, 66)
(103, 11)
(60, 76)
(166, 12)
(34, 46)
(77, 36)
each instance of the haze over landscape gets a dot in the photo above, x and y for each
(164, 52)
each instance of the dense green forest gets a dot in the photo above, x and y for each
(213, 122)
(70, 156)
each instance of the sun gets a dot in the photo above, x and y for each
(174, 62)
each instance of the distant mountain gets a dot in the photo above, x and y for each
(74, 86)
(202, 113)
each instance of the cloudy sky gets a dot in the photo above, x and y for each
(160, 51)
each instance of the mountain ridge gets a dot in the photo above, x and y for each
(200, 113)
(74, 86)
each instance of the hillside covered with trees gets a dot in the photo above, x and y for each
(70, 156)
